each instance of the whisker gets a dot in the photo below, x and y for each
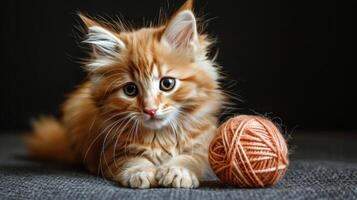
(121, 130)
(105, 145)
(100, 168)
(98, 136)
(128, 137)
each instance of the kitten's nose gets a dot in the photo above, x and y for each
(151, 111)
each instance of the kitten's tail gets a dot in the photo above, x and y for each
(48, 141)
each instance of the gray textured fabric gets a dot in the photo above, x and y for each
(307, 178)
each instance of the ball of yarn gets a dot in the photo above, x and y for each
(249, 151)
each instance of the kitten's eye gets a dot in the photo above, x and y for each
(131, 89)
(167, 84)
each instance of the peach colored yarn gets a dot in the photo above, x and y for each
(249, 151)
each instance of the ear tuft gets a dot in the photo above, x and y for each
(188, 5)
(88, 22)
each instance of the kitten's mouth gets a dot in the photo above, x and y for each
(155, 122)
(155, 119)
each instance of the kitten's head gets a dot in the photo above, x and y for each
(153, 77)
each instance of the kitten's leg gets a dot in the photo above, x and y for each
(135, 172)
(182, 171)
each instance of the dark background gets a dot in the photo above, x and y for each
(293, 60)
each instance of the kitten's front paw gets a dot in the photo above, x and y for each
(139, 178)
(177, 177)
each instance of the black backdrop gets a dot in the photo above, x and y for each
(289, 58)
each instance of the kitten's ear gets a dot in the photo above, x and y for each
(105, 44)
(188, 5)
(181, 31)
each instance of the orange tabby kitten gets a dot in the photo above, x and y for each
(147, 113)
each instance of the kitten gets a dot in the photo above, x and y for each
(148, 111)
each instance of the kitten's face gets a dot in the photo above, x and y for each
(151, 96)
(153, 77)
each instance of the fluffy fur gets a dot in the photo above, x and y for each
(109, 132)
